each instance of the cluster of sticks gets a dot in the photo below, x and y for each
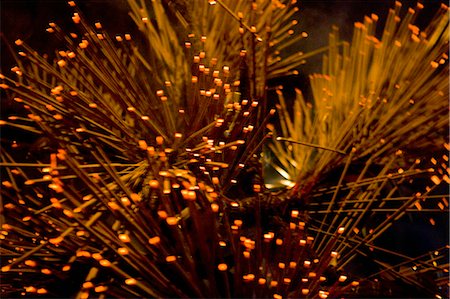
(135, 196)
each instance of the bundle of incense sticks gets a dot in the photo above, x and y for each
(152, 183)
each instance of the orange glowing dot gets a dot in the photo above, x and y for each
(68, 213)
(190, 195)
(97, 256)
(113, 205)
(76, 18)
(30, 289)
(56, 240)
(30, 263)
(6, 268)
(154, 240)
(101, 289)
(154, 184)
(6, 226)
(268, 237)
(261, 281)
(105, 263)
(162, 214)
(88, 285)
(435, 179)
(61, 63)
(66, 268)
(135, 197)
(46, 271)
(123, 251)
(273, 283)
(130, 281)
(171, 259)
(279, 241)
(214, 207)
(222, 267)
(277, 296)
(238, 222)
(124, 238)
(305, 291)
(281, 265)
(172, 220)
(342, 278)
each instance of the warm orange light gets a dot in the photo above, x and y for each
(88, 285)
(171, 259)
(123, 251)
(101, 289)
(222, 267)
(172, 221)
(130, 281)
(154, 240)
(105, 263)
(124, 238)
(30, 263)
(42, 291)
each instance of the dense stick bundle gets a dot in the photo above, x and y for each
(151, 182)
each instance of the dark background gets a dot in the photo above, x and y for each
(28, 19)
